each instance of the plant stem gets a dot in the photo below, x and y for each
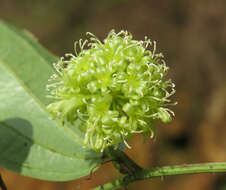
(212, 167)
(122, 162)
(2, 184)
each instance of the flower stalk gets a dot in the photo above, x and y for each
(121, 161)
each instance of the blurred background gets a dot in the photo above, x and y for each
(192, 36)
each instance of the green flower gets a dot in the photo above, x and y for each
(116, 88)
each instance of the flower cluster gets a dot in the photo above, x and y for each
(115, 87)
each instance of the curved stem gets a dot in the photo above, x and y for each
(212, 167)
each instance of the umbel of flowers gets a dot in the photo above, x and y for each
(117, 88)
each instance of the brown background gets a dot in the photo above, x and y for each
(192, 36)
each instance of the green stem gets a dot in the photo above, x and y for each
(212, 167)
(121, 161)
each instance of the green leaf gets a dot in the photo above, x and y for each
(31, 143)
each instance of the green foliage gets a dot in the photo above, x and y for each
(115, 88)
(31, 143)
